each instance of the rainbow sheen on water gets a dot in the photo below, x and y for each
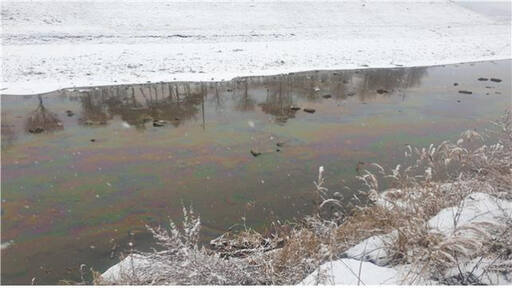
(81, 193)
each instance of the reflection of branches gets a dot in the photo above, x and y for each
(143, 103)
(93, 110)
(387, 81)
(313, 85)
(8, 132)
(243, 102)
(218, 99)
(41, 120)
(179, 101)
(279, 103)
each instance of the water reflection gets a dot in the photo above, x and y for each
(279, 102)
(243, 102)
(94, 111)
(386, 81)
(140, 104)
(175, 103)
(42, 120)
(8, 132)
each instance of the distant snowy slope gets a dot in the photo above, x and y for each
(213, 20)
(49, 45)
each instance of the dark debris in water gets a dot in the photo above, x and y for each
(158, 123)
(36, 130)
(382, 91)
(465, 92)
(93, 122)
(483, 79)
(255, 153)
(495, 80)
(309, 110)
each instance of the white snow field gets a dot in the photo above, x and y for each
(51, 45)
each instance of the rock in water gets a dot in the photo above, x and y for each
(36, 130)
(309, 110)
(158, 123)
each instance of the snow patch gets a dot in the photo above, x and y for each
(372, 249)
(483, 269)
(352, 272)
(474, 209)
(6, 245)
(126, 267)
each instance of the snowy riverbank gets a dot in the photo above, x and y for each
(368, 262)
(51, 45)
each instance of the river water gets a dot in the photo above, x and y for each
(80, 190)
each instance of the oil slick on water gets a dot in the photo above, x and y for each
(126, 156)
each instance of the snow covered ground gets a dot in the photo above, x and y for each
(366, 262)
(50, 45)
